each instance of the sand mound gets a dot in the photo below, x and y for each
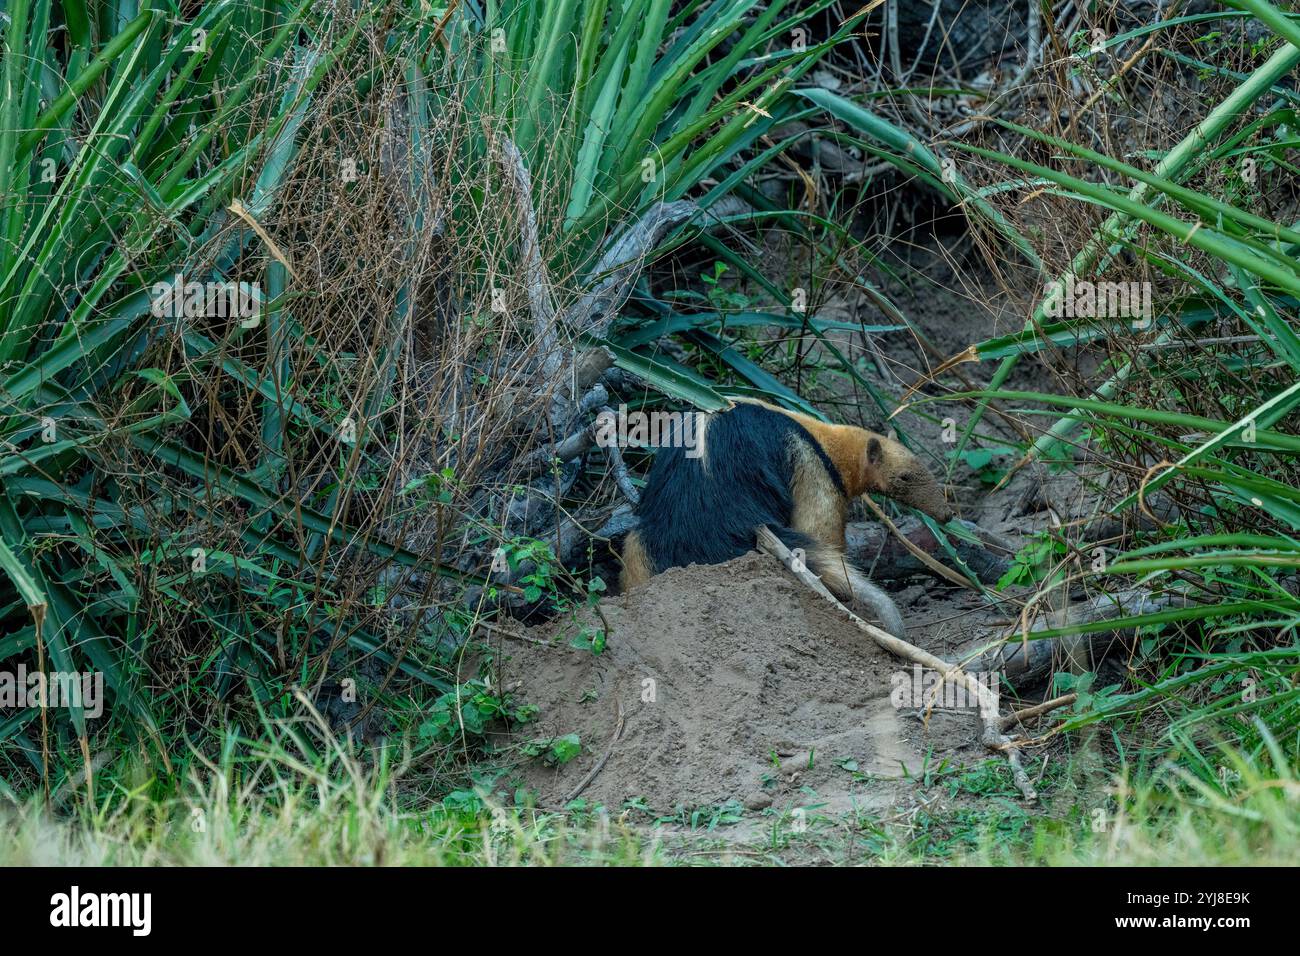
(735, 683)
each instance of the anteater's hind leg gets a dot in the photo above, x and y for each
(637, 567)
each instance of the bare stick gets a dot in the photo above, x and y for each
(514, 636)
(992, 736)
(604, 759)
(616, 464)
(1020, 716)
(938, 568)
(615, 272)
(540, 301)
(576, 444)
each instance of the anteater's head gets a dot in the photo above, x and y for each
(894, 471)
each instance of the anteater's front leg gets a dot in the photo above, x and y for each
(851, 586)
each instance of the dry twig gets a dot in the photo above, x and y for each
(1020, 716)
(604, 759)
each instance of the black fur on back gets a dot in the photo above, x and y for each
(690, 516)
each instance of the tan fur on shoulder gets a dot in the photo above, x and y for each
(869, 462)
(819, 509)
(844, 445)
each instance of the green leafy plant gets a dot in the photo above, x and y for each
(469, 708)
(719, 297)
(1036, 562)
(1224, 441)
(983, 462)
(554, 751)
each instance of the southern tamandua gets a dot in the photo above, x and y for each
(755, 464)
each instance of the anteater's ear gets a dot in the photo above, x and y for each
(875, 451)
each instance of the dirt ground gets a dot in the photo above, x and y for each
(735, 683)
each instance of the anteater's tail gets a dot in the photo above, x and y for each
(842, 579)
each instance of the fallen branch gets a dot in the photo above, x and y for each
(620, 522)
(1020, 716)
(1025, 661)
(537, 284)
(617, 466)
(615, 272)
(492, 628)
(610, 283)
(939, 569)
(872, 546)
(576, 444)
(992, 736)
(604, 759)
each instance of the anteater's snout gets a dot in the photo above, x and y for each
(899, 474)
(919, 489)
